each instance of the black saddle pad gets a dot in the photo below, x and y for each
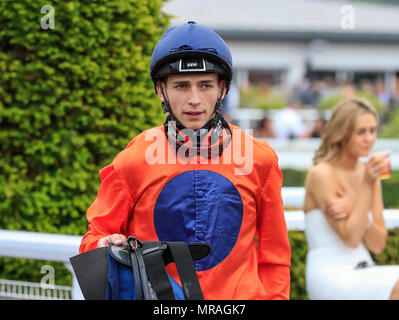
(91, 267)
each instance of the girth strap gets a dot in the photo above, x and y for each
(143, 274)
(157, 275)
(185, 267)
(136, 275)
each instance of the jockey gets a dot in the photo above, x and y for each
(189, 181)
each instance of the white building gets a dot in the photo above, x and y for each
(274, 41)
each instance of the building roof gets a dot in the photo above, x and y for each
(290, 18)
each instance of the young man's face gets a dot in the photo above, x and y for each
(192, 97)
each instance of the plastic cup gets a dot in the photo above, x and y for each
(388, 172)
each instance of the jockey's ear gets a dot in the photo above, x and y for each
(222, 87)
(160, 91)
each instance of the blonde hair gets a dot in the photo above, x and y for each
(340, 127)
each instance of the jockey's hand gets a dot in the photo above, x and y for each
(116, 239)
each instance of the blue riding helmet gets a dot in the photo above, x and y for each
(191, 48)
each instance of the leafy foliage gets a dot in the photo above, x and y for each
(262, 97)
(329, 101)
(299, 250)
(71, 98)
(391, 128)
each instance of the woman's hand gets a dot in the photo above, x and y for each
(374, 167)
(116, 239)
(340, 207)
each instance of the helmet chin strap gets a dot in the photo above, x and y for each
(165, 104)
(218, 107)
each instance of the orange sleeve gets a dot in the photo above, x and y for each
(274, 252)
(110, 211)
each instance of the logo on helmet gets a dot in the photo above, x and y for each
(192, 65)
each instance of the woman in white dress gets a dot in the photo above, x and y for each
(343, 211)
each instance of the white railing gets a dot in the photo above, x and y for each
(11, 289)
(298, 153)
(294, 197)
(296, 219)
(56, 247)
(42, 246)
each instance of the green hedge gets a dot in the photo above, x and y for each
(261, 97)
(391, 128)
(70, 99)
(329, 101)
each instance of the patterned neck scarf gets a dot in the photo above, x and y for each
(209, 141)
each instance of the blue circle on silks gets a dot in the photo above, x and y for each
(200, 206)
